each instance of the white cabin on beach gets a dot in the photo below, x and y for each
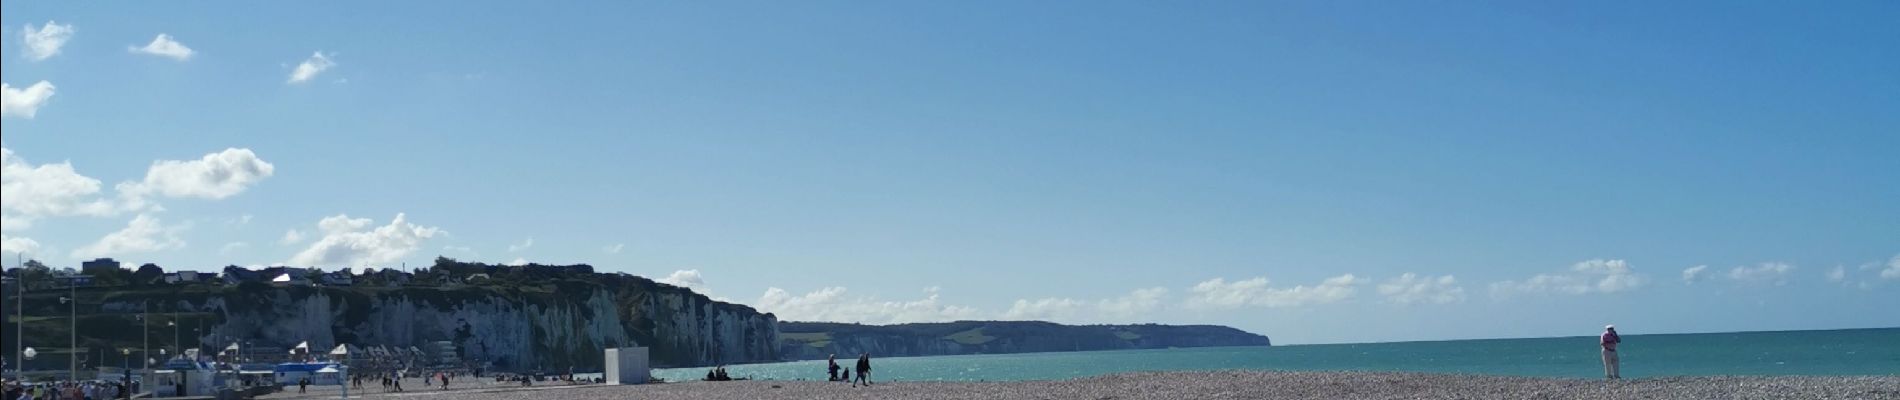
(183, 377)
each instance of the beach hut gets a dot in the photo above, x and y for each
(183, 377)
(336, 372)
(627, 366)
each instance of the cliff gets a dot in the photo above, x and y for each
(551, 319)
(816, 340)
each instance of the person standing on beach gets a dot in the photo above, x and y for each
(833, 367)
(1609, 340)
(864, 370)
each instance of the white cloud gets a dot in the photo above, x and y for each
(1593, 276)
(9, 223)
(164, 46)
(24, 102)
(1135, 305)
(613, 249)
(1411, 288)
(524, 245)
(292, 236)
(691, 280)
(1766, 273)
(144, 233)
(518, 261)
(44, 42)
(346, 243)
(214, 176)
(831, 304)
(35, 191)
(1893, 269)
(686, 278)
(1695, 274)
(1218, 293)
(232, 247)
(18, 245)
(316, 64)
(1868, 275)
(28, 191)
(1047, 309)
(241, 220)
(341, 223)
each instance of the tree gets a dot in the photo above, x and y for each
(35, 275)
(111, 277)
(148, 273)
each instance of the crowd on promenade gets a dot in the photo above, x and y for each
(65, 390)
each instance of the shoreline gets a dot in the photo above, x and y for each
(1230, 384)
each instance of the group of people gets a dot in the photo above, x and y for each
(441, 377)
(717, 374)
(392, 381)
(65, 391)
(863, 367)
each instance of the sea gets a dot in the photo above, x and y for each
(1829, 352)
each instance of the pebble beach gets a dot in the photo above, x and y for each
(1212, 385)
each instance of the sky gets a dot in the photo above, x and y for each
(1319, 172)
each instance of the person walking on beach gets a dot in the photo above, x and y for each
(1611, 369)
(864, 370)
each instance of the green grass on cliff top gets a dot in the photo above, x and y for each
(973, 336)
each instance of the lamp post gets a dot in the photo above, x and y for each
(19, 344)
(19, 325)
(175, 341)
(72, 299)
(145, 328)
(125, 370)
(72, 353)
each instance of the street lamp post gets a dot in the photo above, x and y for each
(72, 353)
(72, 299)
(19, 361)
(145, 328)
(125, 370)
(19, 325)
(175, 341)
(19, 321)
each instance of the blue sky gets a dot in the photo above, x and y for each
(1538, 169)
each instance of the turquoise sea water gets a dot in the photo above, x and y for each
(1837, 352)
